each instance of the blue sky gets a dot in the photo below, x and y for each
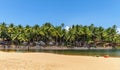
(99, 12)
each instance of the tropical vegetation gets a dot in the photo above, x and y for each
(50, 35)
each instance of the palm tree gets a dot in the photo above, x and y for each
(3, 31)
(48, 28)
(36, 32)
(11, 31)
(48, 33)
(18, 35)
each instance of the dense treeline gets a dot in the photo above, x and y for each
(77, 35)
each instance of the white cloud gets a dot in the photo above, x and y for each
(67, 28)
(118, 30)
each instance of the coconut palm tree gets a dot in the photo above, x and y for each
(3, 31)
(48, 33)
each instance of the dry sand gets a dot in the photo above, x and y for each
(47, 61)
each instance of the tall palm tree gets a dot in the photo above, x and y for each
(11, 31)
(48, 28)
(49, 33)
(3, 31)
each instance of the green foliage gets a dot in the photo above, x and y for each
(57, 34)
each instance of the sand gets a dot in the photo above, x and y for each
(48, 61)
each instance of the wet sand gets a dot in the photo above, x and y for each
(48, 61)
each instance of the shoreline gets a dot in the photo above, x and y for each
(58, 48)
(81, 51)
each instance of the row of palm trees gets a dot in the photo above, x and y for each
(77, 35)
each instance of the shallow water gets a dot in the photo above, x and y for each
(88, 52)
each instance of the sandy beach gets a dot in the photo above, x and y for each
(48, 61)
